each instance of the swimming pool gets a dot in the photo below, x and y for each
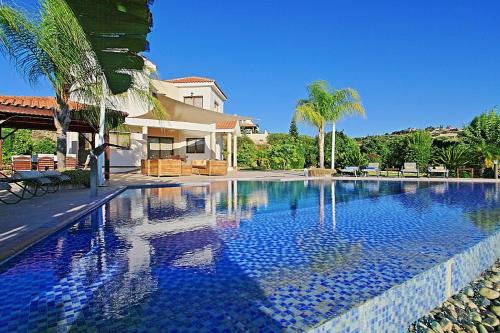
(240, 256)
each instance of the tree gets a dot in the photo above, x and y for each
(294, 132)
(51, 45)
(419, 148)
(314, 111)
(344, 102)
(482, 135)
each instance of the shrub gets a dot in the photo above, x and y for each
(395, 156)
(419, 148)
(279, 138)
(452, 157)
(78, 177)
(44, 146)
(19, 143)
(347, 151)
(247, 152)
(286, 156)
(310, 148)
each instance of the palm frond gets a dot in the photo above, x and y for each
(19, 43)
(307, 113)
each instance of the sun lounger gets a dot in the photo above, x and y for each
(6, 187)
(57, 176)
(440, 169)
(410, 168)
(372, 167)
(350, 170)
(35, 179)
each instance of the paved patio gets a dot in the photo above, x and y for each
(25, 223)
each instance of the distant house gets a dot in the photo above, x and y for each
(250, 129)
(195, 126)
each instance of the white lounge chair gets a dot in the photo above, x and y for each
(350, 170)
(372, 167)
(411, 168)
(440, 169)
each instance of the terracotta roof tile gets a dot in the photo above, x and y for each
(228, 124)
(34, 102)
(191, 79)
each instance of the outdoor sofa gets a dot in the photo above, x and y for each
(372, 167)
(350, 170)
(210, 167)
(410, 168)
(165, 167)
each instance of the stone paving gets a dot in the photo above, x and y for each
(25, 223)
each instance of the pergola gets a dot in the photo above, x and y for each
(31, 112)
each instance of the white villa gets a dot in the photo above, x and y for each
(195, 126)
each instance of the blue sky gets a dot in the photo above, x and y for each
(415, 63)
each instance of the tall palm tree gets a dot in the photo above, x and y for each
(50, 45)
(344, 102)
(53, 45)
(315, 110)
(327, 105)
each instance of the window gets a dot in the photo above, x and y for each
(194, 100)
(120, 138)
(216, 106)
(160, 147)
(195, 146)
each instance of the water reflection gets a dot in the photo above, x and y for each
(228, 254)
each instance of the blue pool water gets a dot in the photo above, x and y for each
(239, 256)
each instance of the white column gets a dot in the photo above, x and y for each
(212, 146)
(229, 149)
(235, 151)
(145, 142)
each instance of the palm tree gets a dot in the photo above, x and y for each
(327, 105)
(51, 45)
(54, 46)
(344, 102)
(314, 111)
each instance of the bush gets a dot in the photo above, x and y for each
(286, 156)
(44, 146)
(279, 138)
(419, 148)
(19, 143)
(247, 152)
(310, 148)
(347, 151)
(452, 157)
(78, 177)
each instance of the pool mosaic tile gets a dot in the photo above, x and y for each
(360, 256)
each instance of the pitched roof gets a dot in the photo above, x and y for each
(36, 103)
(191, 79)
(36, 113)
(228, 124)
(196, 79)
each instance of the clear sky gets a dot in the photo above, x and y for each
(415, 63)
